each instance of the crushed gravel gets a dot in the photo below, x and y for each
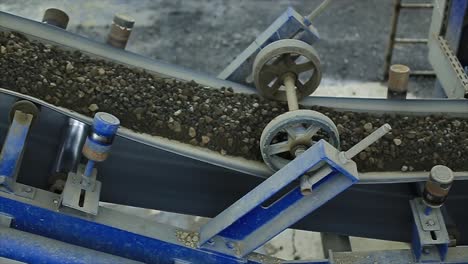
(218, 119)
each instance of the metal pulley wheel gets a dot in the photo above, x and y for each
(285, 57)
(292, 133)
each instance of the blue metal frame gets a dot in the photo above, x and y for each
(13, 148)
(430, 240)
(247, 224)
(101, 237)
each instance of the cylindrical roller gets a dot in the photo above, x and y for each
(398, 78)
(98, 144)
(56, 17)
(437, 186)
(121, 29)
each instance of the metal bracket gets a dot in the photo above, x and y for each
(79, 196)
(288, 25)
(12, 151)
(249, 223)
(430, 236)
(448, 68)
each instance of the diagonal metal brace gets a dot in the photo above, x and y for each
(246, 224)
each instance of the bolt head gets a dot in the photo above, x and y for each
(430, 222)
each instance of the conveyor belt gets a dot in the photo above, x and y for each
(154, 172)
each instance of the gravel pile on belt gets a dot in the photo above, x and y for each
(221, 120)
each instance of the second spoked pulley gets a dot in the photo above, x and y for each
(289, 70)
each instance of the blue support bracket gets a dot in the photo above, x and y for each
(288, 25)
(247, 224)
(12, 149)
(430, 237)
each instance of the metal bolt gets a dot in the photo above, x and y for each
(430, 222)
(426, 250)
(27, 189)
(230, 245)
(55, 201)
(211, 242)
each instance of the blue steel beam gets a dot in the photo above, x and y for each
(110, 232)
(13, 148)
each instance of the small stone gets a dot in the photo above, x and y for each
(397, 141)
(80, 79)
(456, 123)
(195, 238)
(69, 67)
(256, 105)
(93, 107)
(223, 152)
(101, 71)
(177, 127)
(193, 141)
(340, 128)
(411, 134)
(205, 139)
(192, 132)
(208, 119)
(362, 155)
(404, 168)
(368, 127)
(2, 49)
(178, 112)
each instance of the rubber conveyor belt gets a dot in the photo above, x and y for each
(163, 174)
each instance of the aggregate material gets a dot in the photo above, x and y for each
(217, 119)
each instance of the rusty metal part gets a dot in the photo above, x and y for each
(398, 81)
(93, 154)
(438, 186)
(121, 29)
(56, 17)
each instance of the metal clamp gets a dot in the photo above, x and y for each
(82, 197)
(430, 236)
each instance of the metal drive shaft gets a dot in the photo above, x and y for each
(290, 86)
(367, 141)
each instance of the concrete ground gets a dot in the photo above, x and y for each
(206, 34)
